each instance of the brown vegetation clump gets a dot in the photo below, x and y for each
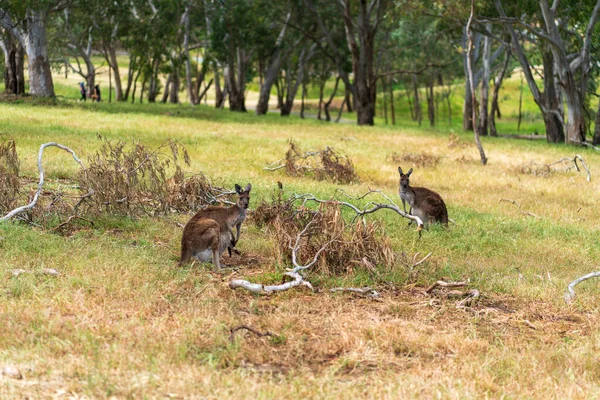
(534, 168)
(135, 182)
(415, 160)
(321, 165)
(353, 245)
(9, 175)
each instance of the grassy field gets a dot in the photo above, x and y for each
(123, 320)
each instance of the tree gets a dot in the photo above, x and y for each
(26, 21)
(570, 59)
(361, 22)
(14, 64)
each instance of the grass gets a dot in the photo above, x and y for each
(122, 320)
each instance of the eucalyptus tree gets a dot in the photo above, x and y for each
(26, 21)
(14, 63)
(553, 27)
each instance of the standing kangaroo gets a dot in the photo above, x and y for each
(210, 231)
(424, 203)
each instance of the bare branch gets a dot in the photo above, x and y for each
(268, 289)
(364, 291)
(446, 285)
(516, 203)
(249, 329)
(41, 182)
(570, 295)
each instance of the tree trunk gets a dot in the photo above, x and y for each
(270, 77)
(303, 97)
(131, 71)
(188, 64)
(471, 80)
(430, 102)
(596, 140)
(328, 102)
(167, 90)
(393, 112)
(384, 92)
(40, 74)
(154, 81)
(348, 99)
(112, 61)
(554, 128)
(417, 105)
(174, 92)
(495, 109)
(14, 81)
(219, 96)
(321, 87)
(485, 84)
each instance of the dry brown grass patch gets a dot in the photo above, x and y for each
(9, 175)
(415, 160)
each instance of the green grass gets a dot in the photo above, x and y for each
(123, 320)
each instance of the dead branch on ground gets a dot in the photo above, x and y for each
(293, 273)
(70, 219)
(516, 203)
(568, 163)
(446, 285)
(232, 332)
(41, 179)
(367, 291)
(575, 165)
(570, 295)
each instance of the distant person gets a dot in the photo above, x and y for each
(97, 96)
(82, 91)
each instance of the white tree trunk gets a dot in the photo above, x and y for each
(36, 47)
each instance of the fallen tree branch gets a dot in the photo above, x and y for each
(516, 203)
(29, 206)
(446, 285)
(232, 332)
(70, 219)
(364, 291)
(570, 295)
(293, 273)
(471, 297)
(575, 165)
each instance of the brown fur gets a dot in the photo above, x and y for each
(211, 229)
(424, 203)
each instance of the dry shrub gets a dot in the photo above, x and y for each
(9, 175)
(534, 168)
(135, 181)
(455, 141)
(415, 160)
(355, 245)
(321, 165)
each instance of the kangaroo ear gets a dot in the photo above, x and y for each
(238, 189)
(248, 188)
(409, 172)
(400, 170)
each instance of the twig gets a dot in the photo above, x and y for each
(415, 264)
(70, 219)
(570, 295)
(365, 291)
(41, 181)
(516, 203)
(249, 329)
(471, 297)
(446, 285)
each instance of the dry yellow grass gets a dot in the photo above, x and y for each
(123, 321)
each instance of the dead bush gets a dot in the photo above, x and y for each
(535, 168)
(134, 181)
(355, 245)
(455, 141)
(9, 175)
(415, 160)
(320, 165)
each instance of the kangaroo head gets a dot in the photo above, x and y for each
(404, 178)
(244, 196)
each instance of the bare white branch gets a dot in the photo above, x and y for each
(41, 181)
(570, 295)
(365, 291)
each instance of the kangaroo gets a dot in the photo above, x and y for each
(424, 203)
(210, 231)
